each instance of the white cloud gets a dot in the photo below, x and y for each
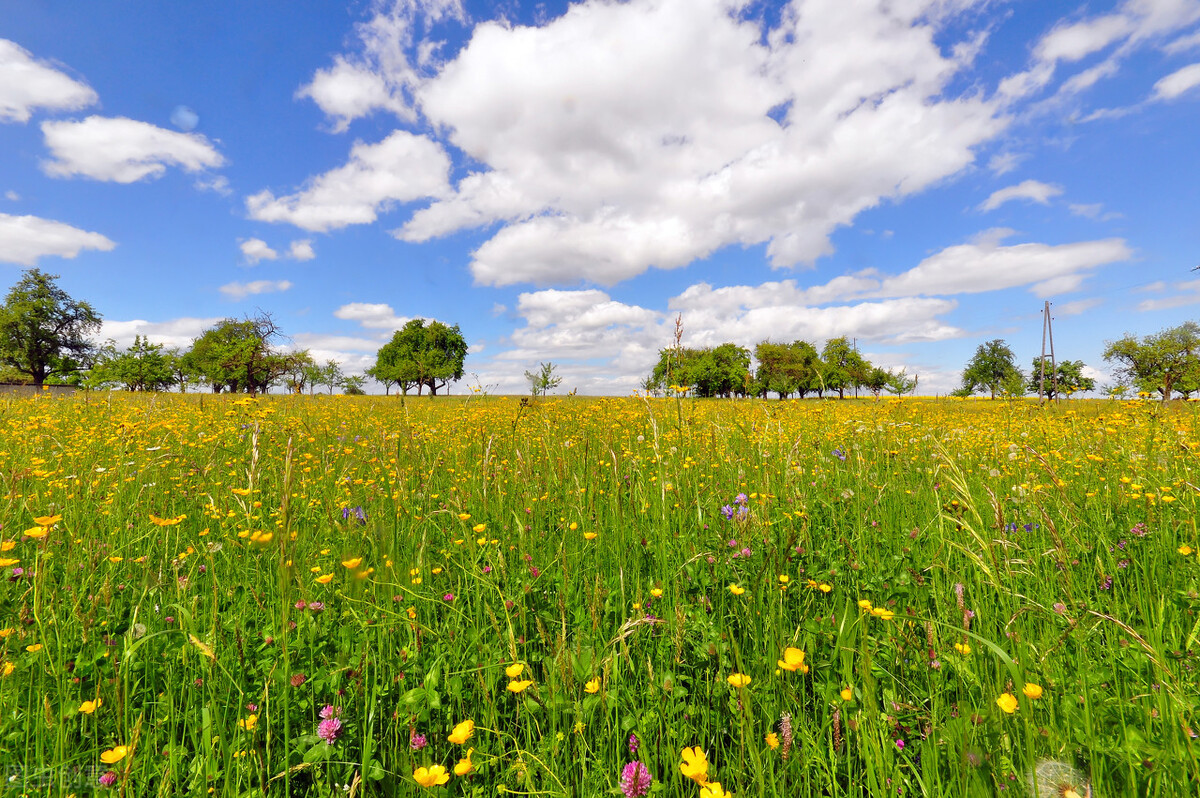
(1077, 307)
(11, 196)
(237, 291)
(401, 168)
(27, 83)
(171, 333)
(301, 249)
(123, 150)
(1188, 294)
(1004, 162)
(373, 316)
(382, 75)
(1177, 83)
(625, 136)
(336, 342)
(1031, 190)
(985, 265)
(255, 250)
(1183, 44)
(25, 239)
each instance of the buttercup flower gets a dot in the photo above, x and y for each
(88, 707)
(514, 670)
(1007, 702)
(1032, 691)
(518, 687)
(465, 765)
(739, 679)
(714, 790)
(592, 686)
(694, 765)
(462, 732)
(432, 776)
(735, 590)
(793, 660)
(114, 755)
(772, 740)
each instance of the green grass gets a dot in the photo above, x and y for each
(1047, 541)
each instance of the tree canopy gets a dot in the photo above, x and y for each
(421, 355)
(719, 371)
(142, 367)
(994, 368)
(45, 333)
(1164, 362)
(239, 356)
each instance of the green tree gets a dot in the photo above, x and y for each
(720, 371)
(787, 368)
(544, 380)
(1164, 362)
(44, 333)
(1066, 374)
(142, 367)
(353, 385)
(421, 355)
(899, 383)
(993, 367)
(843, 366)
(331, 375)
(298, 370)
(239, 355)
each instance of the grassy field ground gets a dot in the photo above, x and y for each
(300, 596)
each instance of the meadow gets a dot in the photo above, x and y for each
(579, 597)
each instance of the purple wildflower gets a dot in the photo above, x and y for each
(416, 740)
(839, 454)
(727, 511)
(329, 711)
(741, 498)
(633, 743)
(329, 730)
(316, 606)
(109, 779)
(449, 597)
(635, 780)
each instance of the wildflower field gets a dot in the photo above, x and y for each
(583, 597)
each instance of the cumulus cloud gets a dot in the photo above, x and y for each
(624, 136)
(171, 333)
(255, 250)
(986, 265)
(1188, 293)
(27, 83)
(123, 150)
(1177, 83)
(1031, 190)
(1077, 307)
(237, 291)
(401, 168)
(301, 249)
(25, 239)
(373, 316)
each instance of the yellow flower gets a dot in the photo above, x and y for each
(824, 588)
(462, 732)
(847, 693)
(7, 561)
(514, 670)
(864, 605)
(7, 669)
(1007, 702)
(114, 755)
(154, 519)
(88, 707)
(1185, 549)
(47, 520)
(432, 776)
(589, 535)
(37, 532)
(465, 765)
(880, 612)
(784, 579)
(352, 563)
(772, 741)
(479, 529)
(8, 545)
(250, 723)
(1032, 691)
(735, 590)
(464, 516)
(963, 648)
(793, 660)
(694, 765)
(325, 579)
(738, 679)
(33, 649)
(519, 687)
(714, 790)
(656, 592)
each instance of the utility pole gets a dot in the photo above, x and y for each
(1047, 331)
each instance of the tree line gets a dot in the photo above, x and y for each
(46, 336)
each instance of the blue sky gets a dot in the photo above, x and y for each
(563, 180)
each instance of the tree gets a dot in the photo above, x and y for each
(543, 381)
(1066, 374)
(900, 383)
(43, 331)
(720, 371)
(1164, 362)
(844, 367)
(787, 368)
(329, 375)
(353, 385)
(993, 367)
(421, 355)
(239, 356)
(297, 371)
(142, 367)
